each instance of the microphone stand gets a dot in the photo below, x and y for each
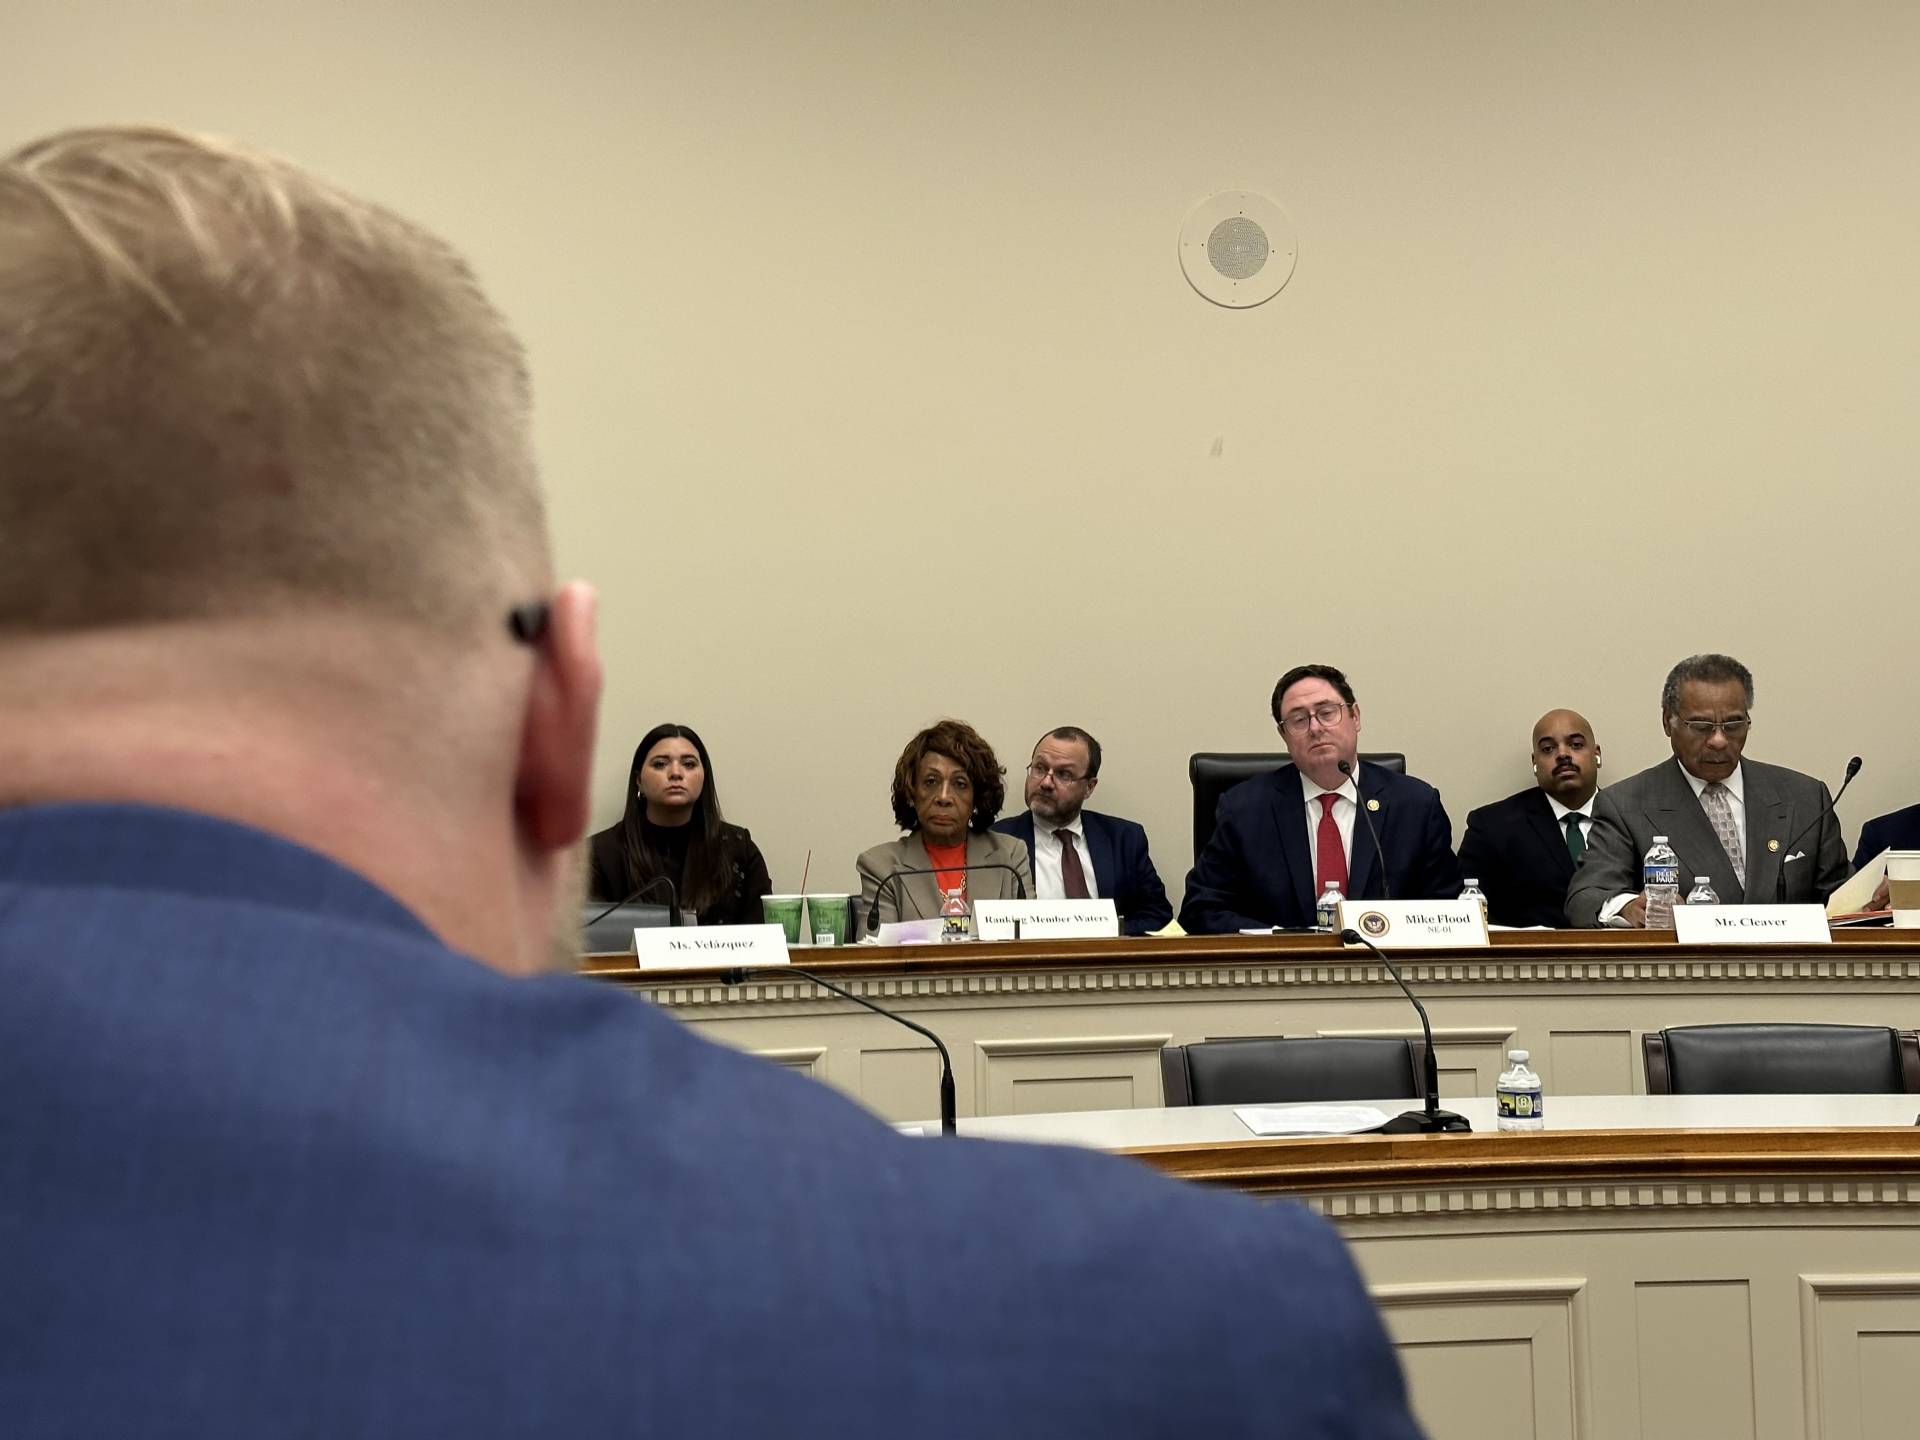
(1432, 1119)
(1780, 880)
(873, 915)
(673, 901)
(948, 1108)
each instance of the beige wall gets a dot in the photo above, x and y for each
(871, 390)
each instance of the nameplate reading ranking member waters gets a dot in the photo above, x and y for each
(1046, 919)
(659, 947)
(1416, 924)
(1751, 925)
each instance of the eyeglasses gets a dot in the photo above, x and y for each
(1732, 729)
(1039, 770)
(527, 623)
(1328, 715)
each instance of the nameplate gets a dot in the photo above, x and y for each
(910, 932)
(660, 947)
(1046, 919)
(1416, 924)
(1751, 925)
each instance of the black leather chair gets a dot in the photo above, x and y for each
(1781, 1060)
(613, 931)
(1277, 1069)
(1212, 773)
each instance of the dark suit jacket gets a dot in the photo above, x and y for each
(611, 879)
(1122, 869)
(1898, 831)
(1659, 801)
(1257, 870)
(917, 897)
(275, 1161)
(1518, 853)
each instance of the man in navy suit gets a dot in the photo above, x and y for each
(1523, 849)
(296, 741)
(1279, 839)
(1899, 830)
(1080, 853)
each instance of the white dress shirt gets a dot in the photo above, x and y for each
(1048, 883)
(1345, 810)
(1585, 812)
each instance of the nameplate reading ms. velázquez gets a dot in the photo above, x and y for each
(655, 947)
(1416, 924)
(1751, 925)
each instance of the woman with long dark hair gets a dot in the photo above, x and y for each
(673, 827)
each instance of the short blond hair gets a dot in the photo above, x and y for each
(228, 387)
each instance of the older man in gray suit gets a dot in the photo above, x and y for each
(1727, 818)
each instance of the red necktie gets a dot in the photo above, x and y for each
(1072, 877)
(1330, 859)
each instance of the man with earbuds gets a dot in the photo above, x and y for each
(1523, 850)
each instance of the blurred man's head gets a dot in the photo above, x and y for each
(267, 496)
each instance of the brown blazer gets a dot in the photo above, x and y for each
(917, 897)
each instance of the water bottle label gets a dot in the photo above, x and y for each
(1520, 1104)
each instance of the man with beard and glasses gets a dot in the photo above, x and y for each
(1080, 854)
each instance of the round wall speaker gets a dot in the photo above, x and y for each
(1238, 248)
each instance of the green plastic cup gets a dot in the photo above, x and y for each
(784, 911)
(830, 922)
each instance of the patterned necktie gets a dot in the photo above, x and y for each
(1072, 875)
(1576, 842)
(1719, 810)
(1330, 856)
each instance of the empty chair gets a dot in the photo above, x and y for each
(1273, 1070)
(1213, 773)
(1781, 1060)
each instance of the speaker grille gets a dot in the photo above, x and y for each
(1238, 248)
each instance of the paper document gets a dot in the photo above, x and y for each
(1852, 897)
(1311, 1119)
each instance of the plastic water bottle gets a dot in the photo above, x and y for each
(956, 923)
(1472, 891)
(1661, 871)
(1517, 1094)
(1702, 892)
(1326, 915)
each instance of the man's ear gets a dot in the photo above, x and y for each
(552, 791)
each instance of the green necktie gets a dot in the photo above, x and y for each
(1576, 843)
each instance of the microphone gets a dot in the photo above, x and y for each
(673, 901)
(739, 974)
(1431, 1120)
(873, 914)
(1780, 882)
(1386, 890)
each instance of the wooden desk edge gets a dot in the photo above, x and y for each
(1602, 1157)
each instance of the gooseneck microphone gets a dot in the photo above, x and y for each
(948, 1110)
(1432, 1119)
(1386, 890)
(673, 901)
(873, 914)
(1780, 881)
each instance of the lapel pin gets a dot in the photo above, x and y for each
(1773, 844)
(1373, 804)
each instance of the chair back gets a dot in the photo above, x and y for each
(1781, 1060)
(1278, 1069)
(1214, 772)
(613, 932)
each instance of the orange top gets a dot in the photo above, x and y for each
(950, 861)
